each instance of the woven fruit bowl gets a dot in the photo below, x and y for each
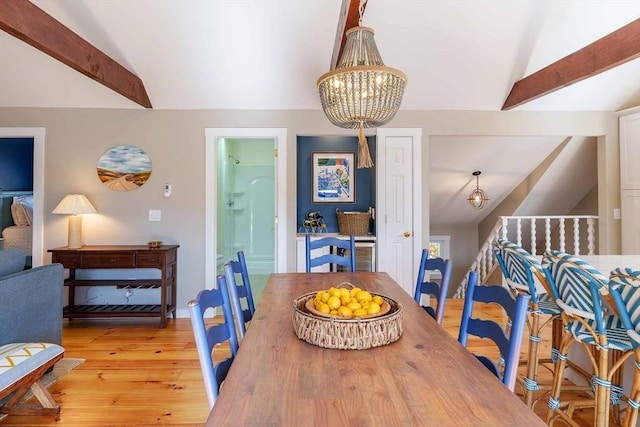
(335, 332)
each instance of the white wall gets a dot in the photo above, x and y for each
(175, 142)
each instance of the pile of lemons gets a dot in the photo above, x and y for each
(347, 302)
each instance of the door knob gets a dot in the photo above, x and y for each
(407, 234)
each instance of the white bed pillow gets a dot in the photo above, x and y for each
(22, 210)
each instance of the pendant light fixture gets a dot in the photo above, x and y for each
(478, 197)
(361, 92)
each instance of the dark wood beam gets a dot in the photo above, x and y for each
(349, 18)
(29, 23)
(622, 45)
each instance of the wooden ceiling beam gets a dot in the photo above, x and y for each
(622, 45)
(349, 18)
(29, 23)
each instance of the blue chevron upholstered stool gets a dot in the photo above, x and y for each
(588, 317)
(521, 272)
(624, 287)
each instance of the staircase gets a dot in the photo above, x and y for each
(523, 230)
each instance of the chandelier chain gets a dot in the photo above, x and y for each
(361, 11)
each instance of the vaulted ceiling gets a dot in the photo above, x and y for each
(267, 54)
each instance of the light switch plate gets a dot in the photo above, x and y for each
(154, 215)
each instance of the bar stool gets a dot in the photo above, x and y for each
(589, 320)
(624, 287)
(521, 272)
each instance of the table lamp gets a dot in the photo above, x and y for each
(74, 205)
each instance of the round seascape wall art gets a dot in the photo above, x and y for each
(124, 167)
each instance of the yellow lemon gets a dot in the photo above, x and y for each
(363, 296)
(354, 305)
(345, 312)
(378, 300)
(344, 292)
(354, 291)
(359, 312)
(374, 308)
(324, 297)
(334, 292)
(334, 312)
(324, 308)
(345, 299)
(333, 303)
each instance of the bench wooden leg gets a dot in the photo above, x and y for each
(47, 404)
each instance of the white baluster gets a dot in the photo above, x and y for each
(562, 240)
(519, 232)
(591, 236)
(547, 234)
(576, 236)
(533, 236)
(505, 223)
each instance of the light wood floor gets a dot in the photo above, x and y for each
(137, 374)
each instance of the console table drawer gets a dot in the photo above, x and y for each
(149, 259)
(108, 260)
(67, 260)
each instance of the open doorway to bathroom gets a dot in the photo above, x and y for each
(243, 202)
(246, 206)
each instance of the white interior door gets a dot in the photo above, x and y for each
(399, 201)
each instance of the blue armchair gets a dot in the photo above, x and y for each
(30, 300)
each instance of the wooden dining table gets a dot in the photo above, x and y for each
(424, 378)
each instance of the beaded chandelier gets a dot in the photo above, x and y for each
(361, 92)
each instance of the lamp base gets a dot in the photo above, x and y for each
(75, 232)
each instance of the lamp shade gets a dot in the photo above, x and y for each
(74, 204)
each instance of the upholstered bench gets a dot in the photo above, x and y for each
(21, 368)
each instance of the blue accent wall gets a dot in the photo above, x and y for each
(365, 178)
(16, 164)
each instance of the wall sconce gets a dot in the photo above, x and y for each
(478, 198)
(74, 205)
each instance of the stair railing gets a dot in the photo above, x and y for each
(556, 228)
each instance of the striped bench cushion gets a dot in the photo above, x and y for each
(18, 360)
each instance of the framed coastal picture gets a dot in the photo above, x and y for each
(124, 167)
(333, 177)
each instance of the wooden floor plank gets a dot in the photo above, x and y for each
(138, 374)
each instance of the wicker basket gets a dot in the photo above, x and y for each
(346, 334)
(356, 223)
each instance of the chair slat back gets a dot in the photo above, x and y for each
(507, 339)
(239, 291)
(577, 284)
(208, 336)
(343, 245)
(436, 290)
(521, 269)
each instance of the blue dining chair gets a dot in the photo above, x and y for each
(589, 319)
(341, 246)
(437, 291)
(522, 272)
(209, 336)
(508, 339)
(238, 291)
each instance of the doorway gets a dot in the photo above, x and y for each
(244, 185)
(38, 184)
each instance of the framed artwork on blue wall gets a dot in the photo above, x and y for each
(332, 177)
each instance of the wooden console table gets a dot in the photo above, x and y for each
(164, 258)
